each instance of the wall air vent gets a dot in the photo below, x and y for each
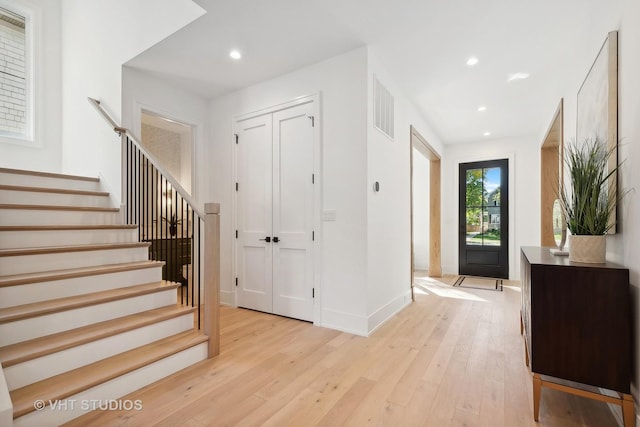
(383, 109)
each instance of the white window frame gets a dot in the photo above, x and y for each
(33, 43)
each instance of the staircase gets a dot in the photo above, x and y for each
(85, 317)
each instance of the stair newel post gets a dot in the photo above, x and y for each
(212, 277)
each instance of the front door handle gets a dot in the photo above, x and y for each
(267, 239)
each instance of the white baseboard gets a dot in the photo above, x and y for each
(228, 298)
(387, 311)
(450, 270)
(345, 322)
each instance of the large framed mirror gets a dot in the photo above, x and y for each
(551, 167)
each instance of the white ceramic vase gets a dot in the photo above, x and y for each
(588, 249)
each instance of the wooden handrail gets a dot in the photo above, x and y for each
(96, 104)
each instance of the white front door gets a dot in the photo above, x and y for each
(276, 204)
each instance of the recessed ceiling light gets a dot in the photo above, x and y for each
(235, 54)
(518, 76)
(472, 61)
(482, 108)
(487, 133)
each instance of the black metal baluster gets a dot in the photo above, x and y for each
(138, 191)
(130, 184)
(156, 211)
(199, 259)
(165, 239)
(146, 199)
(174, 237)
(184, 267)
(126, 196)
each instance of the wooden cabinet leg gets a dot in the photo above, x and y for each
(537, 389)
(628, 411)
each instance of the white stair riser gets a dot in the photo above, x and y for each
(46, 238)
(57, 217)
(60, 261)
(115, 389)
(47, 182)
(27, 329)
(42, 291)
(56, 199)
(29, 372)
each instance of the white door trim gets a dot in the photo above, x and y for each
(140, 107)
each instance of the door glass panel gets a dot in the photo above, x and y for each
(474, 226)
(474, 187)
(491, 229)
(483, 206)
(492, 186)
(474, 206)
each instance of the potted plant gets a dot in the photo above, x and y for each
(174, 222)
(588, 206)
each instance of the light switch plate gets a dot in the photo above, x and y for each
(329, 215)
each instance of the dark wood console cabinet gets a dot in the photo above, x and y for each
(576, 322)
(175, 252)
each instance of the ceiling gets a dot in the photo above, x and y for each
(424, 44)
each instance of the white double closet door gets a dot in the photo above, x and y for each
(275, 205)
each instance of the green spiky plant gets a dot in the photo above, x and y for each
(588, 205)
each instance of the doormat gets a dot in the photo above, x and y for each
(479, 283)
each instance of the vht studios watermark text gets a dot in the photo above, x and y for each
(89, 405)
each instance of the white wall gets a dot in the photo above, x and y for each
(143, 91)
(626, 242)
(98, 38)
(388, 211)
(341, 81)
(524, 195)
(420, 210)
(44, 154)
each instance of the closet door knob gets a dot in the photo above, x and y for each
(267, 239)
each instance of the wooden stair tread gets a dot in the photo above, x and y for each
(49, 174)
(26, 311)
(70, 383)
(74, 248)
(32, 349)
(57, 208)
(46, 276)
(68, 227)
(53, 190)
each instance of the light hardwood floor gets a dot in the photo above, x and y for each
(453, 358)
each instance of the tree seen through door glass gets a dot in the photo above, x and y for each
(483, 207)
